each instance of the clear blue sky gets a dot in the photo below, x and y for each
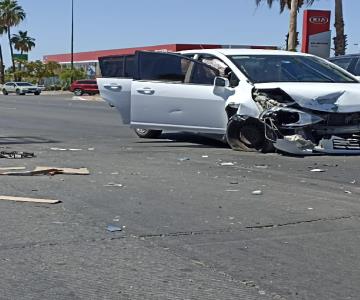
(111, 24)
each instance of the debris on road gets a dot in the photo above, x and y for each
(205, 156)
(261, 166)
(257, 192)
(16, 154)
(317, 170)
(227, 164)
(114, 184)
(25, 199)
(183, 158)
(49, 171)
(347, 192)
(58, 149)
(113, 228)
(12, 168)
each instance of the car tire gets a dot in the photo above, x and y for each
(78, 92)
(18, 92)
(5, 92)
(247, 134)
(37, 93)
(147, 133)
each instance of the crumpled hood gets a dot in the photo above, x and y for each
(326, 97)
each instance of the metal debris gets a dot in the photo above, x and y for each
(114, 184)
(227, 164)
(183, 158)
(257, 192)
(317, 170)
(16, 154)
(25, 199)
(113, 228)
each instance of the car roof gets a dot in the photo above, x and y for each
(345, 56)
(234, 51)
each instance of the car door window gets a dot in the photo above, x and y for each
(112, 66)
(357, 68)
(203, 74)
(129, 67)
(343, 62)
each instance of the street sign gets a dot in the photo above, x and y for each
(316, 33)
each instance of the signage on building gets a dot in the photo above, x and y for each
(316, 37)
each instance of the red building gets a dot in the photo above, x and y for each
(89, 60)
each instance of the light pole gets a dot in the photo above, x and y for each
(72, 40)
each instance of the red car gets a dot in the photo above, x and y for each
(87, 86)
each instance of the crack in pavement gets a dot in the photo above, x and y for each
(170, 234)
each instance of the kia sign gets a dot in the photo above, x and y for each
(316, 33)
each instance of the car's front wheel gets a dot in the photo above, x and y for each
(37, 93)
(78, 92)
(5, 92)
(147, 133)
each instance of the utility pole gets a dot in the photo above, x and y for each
(72, 40)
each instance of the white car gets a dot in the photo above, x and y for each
(259, 100)
(20, 88)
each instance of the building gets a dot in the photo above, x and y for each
(89, 61)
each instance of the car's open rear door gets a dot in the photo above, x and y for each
(115, 84)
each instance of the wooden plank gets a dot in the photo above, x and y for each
(25, 199)
(66, 171)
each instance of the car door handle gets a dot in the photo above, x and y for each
(146, 91)
(113, 87)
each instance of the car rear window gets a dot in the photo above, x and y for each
(117, 66)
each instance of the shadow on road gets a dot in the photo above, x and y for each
(174, 140)
(18, 140)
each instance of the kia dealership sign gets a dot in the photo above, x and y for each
(316, 33)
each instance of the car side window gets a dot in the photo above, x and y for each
(203, 74)
(129, 68)
(112, 66)
(342, 62)
(224, 69)
(357, 68)
(162, 67)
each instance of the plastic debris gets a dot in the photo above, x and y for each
(183, 158)
(205, 156)
(16, 154)
(317, 170)
(226, 164)
(347, 192)
(114, 184)
(26, 199)
(257, 192)
(113, 228)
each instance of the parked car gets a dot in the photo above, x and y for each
(20, 88)
(87, 86)
(350, 62)
(259, 100)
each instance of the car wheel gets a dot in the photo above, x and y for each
(78, 92)
(247, 134)
(5, 92)
(147, 133)
(37, 93)
(18, 92)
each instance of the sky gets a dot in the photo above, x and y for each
(113, 24)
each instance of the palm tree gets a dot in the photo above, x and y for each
(2, 70)
(11, 14)
(23, 43)
(294, 6)
(340, 38)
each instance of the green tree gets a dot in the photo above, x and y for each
(294, 6)
(66, 75)
(11, 14)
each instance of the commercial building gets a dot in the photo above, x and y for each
(89, 61)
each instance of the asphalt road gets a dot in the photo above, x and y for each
(192, 229)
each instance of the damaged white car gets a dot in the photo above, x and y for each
(258, 100)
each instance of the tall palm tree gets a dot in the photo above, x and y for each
(22, 42)
(11, 14)
(340, 38)
(2, 69)
(294, 6)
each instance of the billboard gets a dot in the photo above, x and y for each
(316, 37)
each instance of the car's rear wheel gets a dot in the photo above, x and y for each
(18, 92)
(147, 133)
(78, 92)
(5, 92)
(37, 93)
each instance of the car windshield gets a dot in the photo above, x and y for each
(23, 84)
(288, 68)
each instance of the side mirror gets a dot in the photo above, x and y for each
(221, 82)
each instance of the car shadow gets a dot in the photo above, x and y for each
(175, 140)
(25, 140)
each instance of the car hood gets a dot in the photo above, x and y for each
(325, 97)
